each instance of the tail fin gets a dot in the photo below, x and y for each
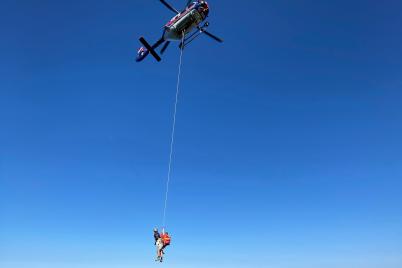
(142, 54)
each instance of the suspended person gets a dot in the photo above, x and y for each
(158, 243)
(162, 242)
(156, 235)
(166, 242)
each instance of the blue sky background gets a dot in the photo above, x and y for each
(288, 153)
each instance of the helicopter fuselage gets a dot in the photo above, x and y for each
(182, 24)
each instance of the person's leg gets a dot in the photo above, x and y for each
(157, 253)
(159, 250)
(163, 250)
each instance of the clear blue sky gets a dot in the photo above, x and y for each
(288, 153)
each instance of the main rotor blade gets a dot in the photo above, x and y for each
(165, 46)
(169, 6)
(212, 36)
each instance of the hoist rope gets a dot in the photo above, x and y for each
(173, 134)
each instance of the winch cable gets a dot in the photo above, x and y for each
(173, 133)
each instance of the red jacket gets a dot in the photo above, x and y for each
(165, 239)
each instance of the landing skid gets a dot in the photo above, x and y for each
(193, 36)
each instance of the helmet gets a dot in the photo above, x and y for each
(155, 229)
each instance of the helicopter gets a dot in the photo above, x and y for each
(185, 26)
